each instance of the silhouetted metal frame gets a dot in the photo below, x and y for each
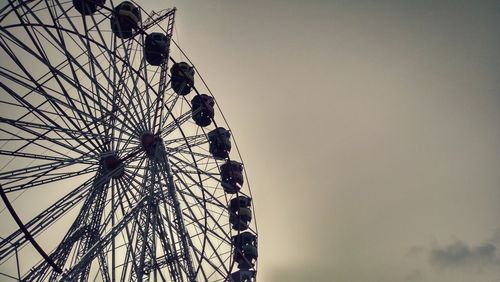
(27, 233)
(89, 139)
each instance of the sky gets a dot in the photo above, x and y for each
(369, 131)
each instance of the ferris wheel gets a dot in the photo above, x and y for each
(116, 163)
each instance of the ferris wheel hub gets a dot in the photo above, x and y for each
(149, 142)
(113, 165)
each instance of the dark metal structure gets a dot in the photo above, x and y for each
(109, 169)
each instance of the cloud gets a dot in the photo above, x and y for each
(461, 254)
(455, 260)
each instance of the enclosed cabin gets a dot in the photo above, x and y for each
(202, 107)
(240, 213)
(125, 20)
(156, 49)
(88, 7)
(231, 176)
(219, 143)
(245, 250)
(244, 276)
(182, 78)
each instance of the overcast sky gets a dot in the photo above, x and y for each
(369, 129)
